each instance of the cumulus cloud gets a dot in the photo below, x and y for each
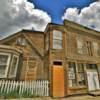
(21, 14)
(88, 16)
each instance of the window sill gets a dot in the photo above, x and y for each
(77, 87)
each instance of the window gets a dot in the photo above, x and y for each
(80, 46)
(72, 74)
(13, 68)
(84, 47)
(81, 75)
(91, 66)
(4, 64)
(21, 41)
(57, 39)
(89, 47)
(76, 74)
(96, 48)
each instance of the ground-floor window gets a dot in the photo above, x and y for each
(76, 74)
(4, 64)
(72, 74)
(80, 74)
(13, 67)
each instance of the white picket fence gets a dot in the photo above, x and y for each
(40, 88)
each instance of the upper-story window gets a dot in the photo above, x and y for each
(21, 41)
(84, 47)
(57, 39)
(80, 46)
(89, 47)
(96, 49)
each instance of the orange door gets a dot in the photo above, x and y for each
(58, 81)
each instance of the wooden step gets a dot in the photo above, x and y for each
(94, 93)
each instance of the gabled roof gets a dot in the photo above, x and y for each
(23, 32)
(17, 34)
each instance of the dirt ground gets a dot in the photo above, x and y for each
(86, 97)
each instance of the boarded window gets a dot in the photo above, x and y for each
(57, 39)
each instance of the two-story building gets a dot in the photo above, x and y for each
(67, 55)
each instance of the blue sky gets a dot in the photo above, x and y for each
(56, 8)
(16, 15)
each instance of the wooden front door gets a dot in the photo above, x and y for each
(57, 81)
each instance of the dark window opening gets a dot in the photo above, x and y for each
(91, 66)
(57, 63)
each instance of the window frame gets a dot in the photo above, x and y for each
(14, 75)
(7, 64)
(76, 75)
(21, 41)
(57, 39)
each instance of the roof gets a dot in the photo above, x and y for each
(24, 34)
(19, 33)
(81, 27)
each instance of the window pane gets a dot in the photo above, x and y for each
(57, 34)
(2, 70)
(21, 41)
(80, 67)
(3, 59)
(96, 48)
(72, 67)
(72, 83)
(91, 66)
(57, 44)
(14, 65)
(72, 74)
(80, 46)
(81, 79)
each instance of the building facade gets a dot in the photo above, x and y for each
(67, 55)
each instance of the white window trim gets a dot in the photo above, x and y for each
(14, 75)
(7, 65)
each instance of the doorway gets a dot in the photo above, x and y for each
(57, 79)
(92, 77)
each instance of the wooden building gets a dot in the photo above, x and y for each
(67, 55)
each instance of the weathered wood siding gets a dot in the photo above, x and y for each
(30, 52)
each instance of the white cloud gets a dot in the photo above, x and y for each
(20, 14)
(88, 16)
